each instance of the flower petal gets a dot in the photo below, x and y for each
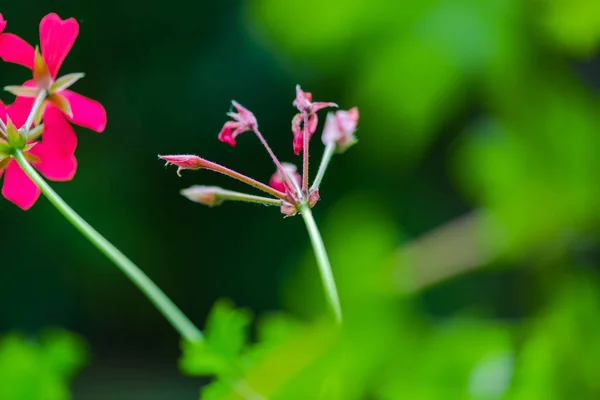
(56, 39)
(58, 134)
(15, 50)
(18, 188)
(19, 110)
(53, 165)
(2, 23)
(86, 112)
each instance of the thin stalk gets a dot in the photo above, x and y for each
(290, 182)
(169, 310)
(329, 150)
(243, 178)
(37, 105)
(305, 156)
(237, 196)
(322, 261)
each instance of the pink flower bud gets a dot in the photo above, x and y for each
(308, 113)
(185, 161)
(277, 181)
(313, 198)
(207, 195)
(244, 121)
(288, 210)
(340, 128)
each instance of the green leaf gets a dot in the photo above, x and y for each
(226, 334)
(39, 369)
(66, 81)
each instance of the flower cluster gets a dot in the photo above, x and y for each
(288, 188)
(38, 121)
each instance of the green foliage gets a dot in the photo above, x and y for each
(40, 369)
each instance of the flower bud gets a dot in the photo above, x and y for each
(185, 161)
(207, 195)
(340, 128)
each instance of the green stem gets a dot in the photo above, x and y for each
(322, 261)
(171, 312)
(329, 150)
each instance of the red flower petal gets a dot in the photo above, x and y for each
(15, 50)
(86, 112)
(56, 39)
(2, 23)
(53, 165)
(19, 110)
(18, 188)
(58, 134)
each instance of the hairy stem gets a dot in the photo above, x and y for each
(329, 150)
(305, 156)
(289, 181)
(243, 178)
(170, 311)
(323, 262)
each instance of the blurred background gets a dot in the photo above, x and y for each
(463, 228)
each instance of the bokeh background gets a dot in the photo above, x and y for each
(463, 228)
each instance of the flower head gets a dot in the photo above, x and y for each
(57, 37)
(340, 128)
(244, 121)
(289, 190)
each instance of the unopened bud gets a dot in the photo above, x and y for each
(185, 161)
(207, 195)
(340, 128)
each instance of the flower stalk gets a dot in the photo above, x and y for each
(169, 310)
(323, 262)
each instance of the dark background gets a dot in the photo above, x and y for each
(441, 86)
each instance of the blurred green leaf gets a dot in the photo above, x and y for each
(226, 334)
(39, 370)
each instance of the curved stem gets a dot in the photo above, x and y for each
(170, 311)
(322, 261)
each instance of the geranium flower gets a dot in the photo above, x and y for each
(57, 37)
(54, 156)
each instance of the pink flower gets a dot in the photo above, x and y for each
(308, 112)
(56, 40)
(244, 121)
(54, 156)
(340, 128)
(13, 49)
